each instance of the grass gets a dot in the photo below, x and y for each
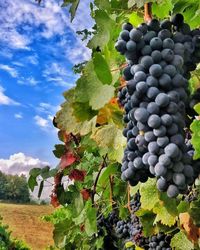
(25, 223)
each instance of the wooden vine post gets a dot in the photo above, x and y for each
(147, 12)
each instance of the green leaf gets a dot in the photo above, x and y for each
(99, 243)
(195, 212)
(81, 218)
(91, 220)
(195, 128)
(90, 89)
(149, 194)
(45, 172)
(78, 203)
(40, 188)
(129, 244)
(102, 69)
(35, 172)
(104, 177)
(59, 150)
(82, 111)
(147, 219)
(163, 9)
(166, 210)
(32, 183)
(163, 215)
(181, 242)
(109, 136)
(60, 230)
(135, 19)
(197, 108)
(53, 172)
(73, 8)
(104, 30)
(67, 121)
(183, 207)
(123, 211)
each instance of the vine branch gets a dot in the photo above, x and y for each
(103, 165)
(147, 12)
(128, 193)
(111, 179)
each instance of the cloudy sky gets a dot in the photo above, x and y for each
(38, 47)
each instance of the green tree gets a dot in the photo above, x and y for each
(14, 188)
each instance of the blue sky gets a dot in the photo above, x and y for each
(38, 47)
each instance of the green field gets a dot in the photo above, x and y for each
(26, 224)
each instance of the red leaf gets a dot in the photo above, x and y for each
(68, 159)
(85, 194)
(54, 200)
(77, 175)
(82, 228)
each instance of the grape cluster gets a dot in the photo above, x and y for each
(160, 241)
(105, 226)
(135, 202)
(160, 57)
(108, 222)
(123, 229)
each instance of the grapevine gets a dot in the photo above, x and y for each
(128, 172)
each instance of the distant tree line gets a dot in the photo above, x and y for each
(14, 188)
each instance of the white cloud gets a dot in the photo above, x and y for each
(41, 122)
(29, 14)
(13, 72)
(32, 59)
(5, 100)
(18, 115)
(58, 74)
(19, 164)
(56, 68)
(77, 53)
(20, 18)
(47, 108)
(29, 81)
(19, 64)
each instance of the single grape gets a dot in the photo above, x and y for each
(147, 61)
(155, 70)
(167, 55)
(172, 191)
(141, 114)
(156, 56)
(171, 150)
(149, 136)
(153, 108)
(135, 35)
(179, 179)
(162, 100)
(162, 141)
(131, 46)
(152, 92)
(156, 43)
(168, 43)
(124, 35)
(154, 121)
(161, 184)
(160, 170)
(152, 81)
(153, 147)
